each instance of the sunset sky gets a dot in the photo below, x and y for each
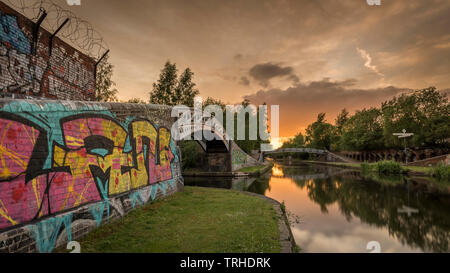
(307, 56)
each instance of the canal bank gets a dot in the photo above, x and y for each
(254, 171)
(411, 170)
(197, 220)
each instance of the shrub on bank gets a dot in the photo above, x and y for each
(441, 172)
(365, 167)
(388, 167)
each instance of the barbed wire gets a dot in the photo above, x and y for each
(77, 32)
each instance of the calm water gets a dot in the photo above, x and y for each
(341, 211)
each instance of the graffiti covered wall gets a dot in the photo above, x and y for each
(240, 159)
(66, 167)
(29, 68)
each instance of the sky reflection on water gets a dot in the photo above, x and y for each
(340, 211)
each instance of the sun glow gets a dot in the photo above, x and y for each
(278, 142)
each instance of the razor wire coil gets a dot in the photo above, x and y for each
(77, 32)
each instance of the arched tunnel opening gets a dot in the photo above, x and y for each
(205, 156)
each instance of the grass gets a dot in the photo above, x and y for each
(196, 220)
(419, 169)
(252, 169)
(441, 172)
(355, 165)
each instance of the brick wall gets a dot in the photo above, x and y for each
(33, 70)
(68, 167)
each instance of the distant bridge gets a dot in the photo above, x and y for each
(328, 155)
(296, 150)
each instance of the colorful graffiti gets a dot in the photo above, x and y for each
(238, 156)
(53, 160)
(64, 74)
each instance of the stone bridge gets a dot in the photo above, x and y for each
(222, 153)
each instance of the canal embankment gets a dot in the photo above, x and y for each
(205, 220)
(253, 171)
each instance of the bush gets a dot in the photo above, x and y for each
(388, 167)
(441, 172)
(189, 153)
(365, 167)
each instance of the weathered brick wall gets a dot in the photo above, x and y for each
(67, 167)
(33, 70)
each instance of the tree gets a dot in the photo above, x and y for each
(172, 91)
(213, 101)
(296, 142)
(426, 113)
(341, 119)
(185, 90)
(320, 134)
(136, 100)
(363, 131)
(104, 85)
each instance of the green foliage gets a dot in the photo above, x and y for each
(441, 172)
(104, 84)
(426, 113)
(185, 90)
(296, 142)
(362, 131)
(320, 134)
(212, 101)
(365, 168)
(341, 119)
(388, 167)
(170, 90)
(136, 100)
(190, 154)
(283, 207)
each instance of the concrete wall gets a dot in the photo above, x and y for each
(240, 159)
(68, 167)
(29, 69)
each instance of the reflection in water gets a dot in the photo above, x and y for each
(277, 171)
(341, 211)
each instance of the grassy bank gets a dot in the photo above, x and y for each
(257, 170)
(416, 169)
(196, 220)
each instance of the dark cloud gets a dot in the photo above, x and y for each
(266, 71)
(300, 104)
(244, 81)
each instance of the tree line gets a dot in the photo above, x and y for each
(425, 112)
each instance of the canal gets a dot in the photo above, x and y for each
(340, 210)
